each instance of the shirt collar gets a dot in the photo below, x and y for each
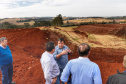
(84, 58)
(2, 46)
(49, 54)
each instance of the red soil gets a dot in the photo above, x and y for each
(101, 29)
(27, 45)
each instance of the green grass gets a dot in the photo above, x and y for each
(75, 39)
(91, 37)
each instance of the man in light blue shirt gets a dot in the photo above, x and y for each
(61, 56)
(82, 70)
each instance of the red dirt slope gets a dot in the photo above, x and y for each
(102, 29)
(27, 45)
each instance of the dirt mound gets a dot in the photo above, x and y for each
(121, 32)
(80, 32)
(113, 32)
(27, 45)
(102, 29)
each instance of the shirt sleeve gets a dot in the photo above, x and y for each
(47, 72)
(97, 75)
(66, 73)
(55, 53)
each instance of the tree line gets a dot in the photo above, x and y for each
(57, 22)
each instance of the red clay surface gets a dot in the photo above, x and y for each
(27, 45)
(102, 29)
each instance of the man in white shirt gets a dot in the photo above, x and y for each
(49, 65)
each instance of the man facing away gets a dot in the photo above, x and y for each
(82, 70)
(49, 65)
(119, 78)
(6, 61)
(61, 56)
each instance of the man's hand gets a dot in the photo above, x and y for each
(64, 52)
(54, 80)
(70, 51)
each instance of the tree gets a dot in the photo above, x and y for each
(113, 21)
(57, 21)
(26, 25)
(68, 23)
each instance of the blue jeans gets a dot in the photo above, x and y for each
(7, 73)
(58, 78)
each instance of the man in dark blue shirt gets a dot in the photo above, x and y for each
(61, 56)
(6, 61)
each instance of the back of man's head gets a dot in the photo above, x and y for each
(124, 61)
(50, 46)
(83, 49)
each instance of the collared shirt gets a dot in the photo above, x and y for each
(82, 71)
(49, 66)
(62, 61)
(2, 46)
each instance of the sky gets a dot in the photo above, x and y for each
(51, 8)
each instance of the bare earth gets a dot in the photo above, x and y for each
(27, 45)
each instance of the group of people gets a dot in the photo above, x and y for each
(56, 67)
(58, 70)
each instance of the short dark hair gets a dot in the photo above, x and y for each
(61, 39)
(50, 46)
(83, 49)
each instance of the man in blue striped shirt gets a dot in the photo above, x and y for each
(82, 70)
(61, 56)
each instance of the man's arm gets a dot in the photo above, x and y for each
(70, 52)
(66, 73)
(97, 75)
(57, 56)
(62, 53)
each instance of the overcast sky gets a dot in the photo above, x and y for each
(75, 8)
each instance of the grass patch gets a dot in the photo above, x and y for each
(91, 37)
(75, 39)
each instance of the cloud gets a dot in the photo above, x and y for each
(18, 3)
(29, 8)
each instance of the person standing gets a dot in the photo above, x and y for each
(82, 70)
(49, 65)
(61, 56)
(119, 78)
(6, 62)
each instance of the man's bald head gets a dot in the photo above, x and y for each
(83, 49)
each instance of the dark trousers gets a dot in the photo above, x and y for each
(7, 73)
(58, 78)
